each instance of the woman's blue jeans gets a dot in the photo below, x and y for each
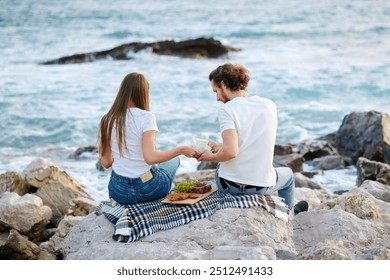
(126, 190)
(285, 186)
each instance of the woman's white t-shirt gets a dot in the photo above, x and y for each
(132, 163)
(255, 120)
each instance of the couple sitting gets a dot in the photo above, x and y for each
(127, 142)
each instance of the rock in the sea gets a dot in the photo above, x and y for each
(88, 149)
(193, 48)
(196, 48)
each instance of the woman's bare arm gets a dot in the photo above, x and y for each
(153, 156)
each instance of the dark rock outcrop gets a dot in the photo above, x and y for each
(18, 247)
(198, 48)
(294, 161)
(88, 149)
(311, 149)
(193, 48)
(365, 135)
(118, 53)
(372, 170)
(329, 162)
(282, 150)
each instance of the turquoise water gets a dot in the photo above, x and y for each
(318, 60)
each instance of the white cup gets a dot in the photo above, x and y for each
(202, 145)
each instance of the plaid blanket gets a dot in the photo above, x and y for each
(138, 220)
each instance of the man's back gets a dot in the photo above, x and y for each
(255, 119)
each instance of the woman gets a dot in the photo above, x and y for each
(127, 142)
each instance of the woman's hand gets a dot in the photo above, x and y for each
(153, 156)
(190, 152)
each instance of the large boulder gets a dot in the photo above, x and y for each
(329, 162)
(231, 233)
(26, 214)
(311, 149)
(301, 181)
(294, 161)
(339, 235)
(366, 135)
(352, 226)
(13, 182)
(314, 197)
(18, 247)
(55, 187)
(54, 245)
(41, 172)
(378, 190)
(372, 170)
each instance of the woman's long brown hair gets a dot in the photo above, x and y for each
(134, 91)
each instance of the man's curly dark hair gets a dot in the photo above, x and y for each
(233, 76)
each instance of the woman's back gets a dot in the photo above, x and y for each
(132, 163)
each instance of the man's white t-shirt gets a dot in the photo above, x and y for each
(255, 119)
(132, 163)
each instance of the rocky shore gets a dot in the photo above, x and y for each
(47, 214)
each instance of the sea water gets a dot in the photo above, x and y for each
(318, 61)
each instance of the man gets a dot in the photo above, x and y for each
(248, 126)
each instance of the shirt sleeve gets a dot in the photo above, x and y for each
(225, 119)
(150, 123)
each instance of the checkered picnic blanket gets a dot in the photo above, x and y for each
(138, 220)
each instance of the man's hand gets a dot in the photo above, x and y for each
(225, 151)
(206, 156)
(215, 147)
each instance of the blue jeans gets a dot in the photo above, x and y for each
(285, 186)
(126, 190)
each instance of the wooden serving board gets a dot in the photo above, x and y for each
(190, 201)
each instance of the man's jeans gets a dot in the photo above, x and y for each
(285, 185)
